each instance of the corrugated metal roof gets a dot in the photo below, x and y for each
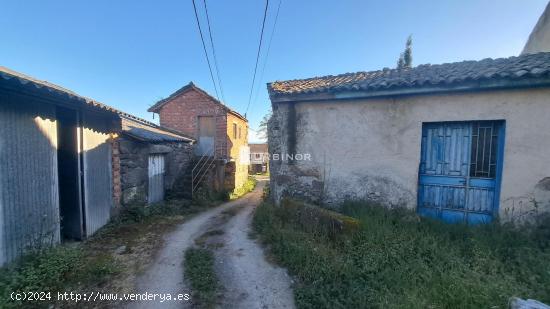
(137, 127)
(147, 132)
(494, 73)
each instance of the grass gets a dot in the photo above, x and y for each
(199, 270)
(248, 186)
(398, 260)
(97, 264)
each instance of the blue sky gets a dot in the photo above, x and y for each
(129, 54)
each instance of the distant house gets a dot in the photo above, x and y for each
(147, 161)
(55, 164)
(221, 133)
(465, 141)
(539, 40)
(259, 158)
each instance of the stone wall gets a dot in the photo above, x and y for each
(370, 148)
(134, 160)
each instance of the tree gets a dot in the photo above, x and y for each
(262, 128)
(405, 59)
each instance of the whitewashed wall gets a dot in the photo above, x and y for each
(371, 148)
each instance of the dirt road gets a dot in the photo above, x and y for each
(248, 280)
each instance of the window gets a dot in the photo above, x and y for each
(484, 149)
(240, 132)
(234, 131)
(257, 155)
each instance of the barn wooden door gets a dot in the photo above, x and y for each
(459, 175)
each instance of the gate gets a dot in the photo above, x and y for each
(460, 170)
(156, 179)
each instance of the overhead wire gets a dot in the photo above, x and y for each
(216, 66)
(205, 51)
(257, 57)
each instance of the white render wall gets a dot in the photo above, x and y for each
(370, 149)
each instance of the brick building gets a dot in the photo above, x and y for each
(221, 133)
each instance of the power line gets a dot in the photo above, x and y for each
(204, 48)
(214, 52)
(268, 49)
(257, 56)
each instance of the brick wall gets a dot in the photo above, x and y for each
(117, 190)
(182, 112)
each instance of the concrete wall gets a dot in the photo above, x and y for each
(370, 149)
(133, 158)
(539, 39)
(235, 146)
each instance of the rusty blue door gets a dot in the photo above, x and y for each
(460, 170)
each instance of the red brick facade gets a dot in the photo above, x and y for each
(182, 112)
(117, 190)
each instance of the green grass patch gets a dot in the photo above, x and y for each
(96, 264)
(248, 186)
(199, 270)
(398, 260)
(50, 271)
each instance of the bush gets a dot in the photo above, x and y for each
(396, 259)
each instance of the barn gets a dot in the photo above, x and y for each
(55, 164)
(464, 142)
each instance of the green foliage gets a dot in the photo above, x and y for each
(262, 127)
(199, 270)
(248, 186)
(399, 260)
(51, 271)
(405, 58)
(314, 219)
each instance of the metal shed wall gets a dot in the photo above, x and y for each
(29, 212)
(97, 160)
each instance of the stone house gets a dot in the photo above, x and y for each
(259, 158)
(465, 141)
(221, 133)
(147, 160)
(55, 164)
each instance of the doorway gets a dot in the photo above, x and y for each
(460, 170)
(70, 208)
(207, 130)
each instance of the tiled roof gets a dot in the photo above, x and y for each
(472, 74)
(191, 86)
(148, 132)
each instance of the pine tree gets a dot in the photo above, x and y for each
(400, 62)
(407, 54)
(405, 58)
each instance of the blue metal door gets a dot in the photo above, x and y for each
(459, 174)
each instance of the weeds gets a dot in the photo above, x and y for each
(399, 260)
(248, 186)
(51, 271)
(199, 269)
